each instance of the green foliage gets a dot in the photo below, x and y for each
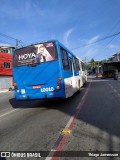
(92, 64)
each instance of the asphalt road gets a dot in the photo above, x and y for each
(93, 117)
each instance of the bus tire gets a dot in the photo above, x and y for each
(85, 83)
(79, 86)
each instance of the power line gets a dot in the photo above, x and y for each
(17, 41)
(4, 35)
(114, 27)
(105, 47)
(101, 39)
(109, 43)
(6, 42)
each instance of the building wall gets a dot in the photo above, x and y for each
(116, 57)
(5, 64)
(6, 67)
(5, 82)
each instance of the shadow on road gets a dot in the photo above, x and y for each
(100, 109)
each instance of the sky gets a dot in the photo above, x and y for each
(74, 23)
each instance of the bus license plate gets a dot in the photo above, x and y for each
(34, 87)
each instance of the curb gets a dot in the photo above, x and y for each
(3, 90)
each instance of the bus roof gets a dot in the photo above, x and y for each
(50, 41)
(35, 44)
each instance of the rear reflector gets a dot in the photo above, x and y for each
(36, 87)
(58, 87)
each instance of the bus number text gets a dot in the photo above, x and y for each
(47, 89)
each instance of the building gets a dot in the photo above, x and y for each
(6, 66)
(115, 58)
(113, 65)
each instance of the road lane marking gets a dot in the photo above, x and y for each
(63, 138)
(79, 107)
(53, 149)
(69, 122)
(7, 113)
(114, 90)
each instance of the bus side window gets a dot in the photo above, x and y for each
(83, 66)
(80, 65)
(65, 61)
(74, 63)
(77, 64)
(70, 63)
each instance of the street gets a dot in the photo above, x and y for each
(92, 116)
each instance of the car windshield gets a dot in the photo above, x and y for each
(35, 54)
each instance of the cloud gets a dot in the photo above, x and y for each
(4, 44)
(112, 46)
(89, 52)
(97, 51)
(22, 11)
(93, 39)
(67, 36)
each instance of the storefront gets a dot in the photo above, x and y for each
(111, 69)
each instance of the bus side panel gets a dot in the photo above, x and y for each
(83, 73)
(72, 79)
(72, 85)
(66, 75)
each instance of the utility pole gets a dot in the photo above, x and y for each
(17, 43)
(98, 67)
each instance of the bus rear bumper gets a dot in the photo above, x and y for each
(39, 96)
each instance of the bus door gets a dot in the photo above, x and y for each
(71, 66)
(72, 80)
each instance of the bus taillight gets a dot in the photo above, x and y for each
(59, 78)
(14, 84)
(59, 83)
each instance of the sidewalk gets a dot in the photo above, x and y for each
(4, 90)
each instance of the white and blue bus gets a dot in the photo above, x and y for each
(46, 70)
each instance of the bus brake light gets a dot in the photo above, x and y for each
(14, 84)
(59, 83)
(59, 78)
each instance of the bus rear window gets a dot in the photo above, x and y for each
(35, 54)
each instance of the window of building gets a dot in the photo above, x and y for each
(6, 65)
(6, 50)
